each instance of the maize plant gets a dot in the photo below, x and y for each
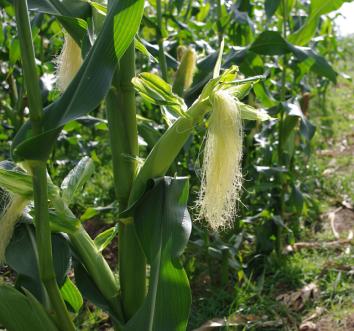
(41, 237)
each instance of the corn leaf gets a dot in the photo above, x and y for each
(21, 256)
(270, 7)
(89, 86)
(163, 226)
(20, 312)
(17, 181)
(68, 8)
(272, 43)
(303, 35)
(72, 295)
(91, 292)
(77, 178)
(105, 238)
(70, 13)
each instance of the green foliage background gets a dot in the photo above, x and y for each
(295, 46)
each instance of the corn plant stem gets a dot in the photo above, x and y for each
(121, 114)
(279, 239)
(44, 244)
(28, 65)
(38, 168)
(162, 57)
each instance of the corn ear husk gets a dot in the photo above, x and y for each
(185, 72)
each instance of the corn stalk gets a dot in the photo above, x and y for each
(38, 169)
(121, 113)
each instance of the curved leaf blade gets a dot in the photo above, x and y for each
(19, 312)
(163, 226)
(89, 86)
(69, 8)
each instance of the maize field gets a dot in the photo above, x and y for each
(172, 165)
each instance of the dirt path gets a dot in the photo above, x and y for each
(335, 159)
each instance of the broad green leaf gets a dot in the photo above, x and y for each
(15, 180)
(142, 49)
(272, 43)
(297, 198)
(70, 13)
(264, 96)
(77, 178)
(154, 50)
(105, 238)
(89, 86)
(88, 287)
(91, 292)
(19, 312)
(163, 226)
(69, 8)
(89, 213)
(22, 257)
(320, 65)
(285, 7)
(99, 7)
(149, 133)
(270, 7)
(72, 295)
(303, 36)
(307, 129)
(76, 27)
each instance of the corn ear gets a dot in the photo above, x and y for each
(185, 72)
(167, 148)
(169, 145)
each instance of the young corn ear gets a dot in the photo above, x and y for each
(68, 62)
(221, 179)
(8, 219)
(186, 70)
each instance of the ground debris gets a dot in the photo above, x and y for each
(296, 300)
(326, 244)
(308, 326)
(240, 320)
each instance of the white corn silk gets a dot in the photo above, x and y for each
(68, 62)
(8, 219)
(221, 171)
